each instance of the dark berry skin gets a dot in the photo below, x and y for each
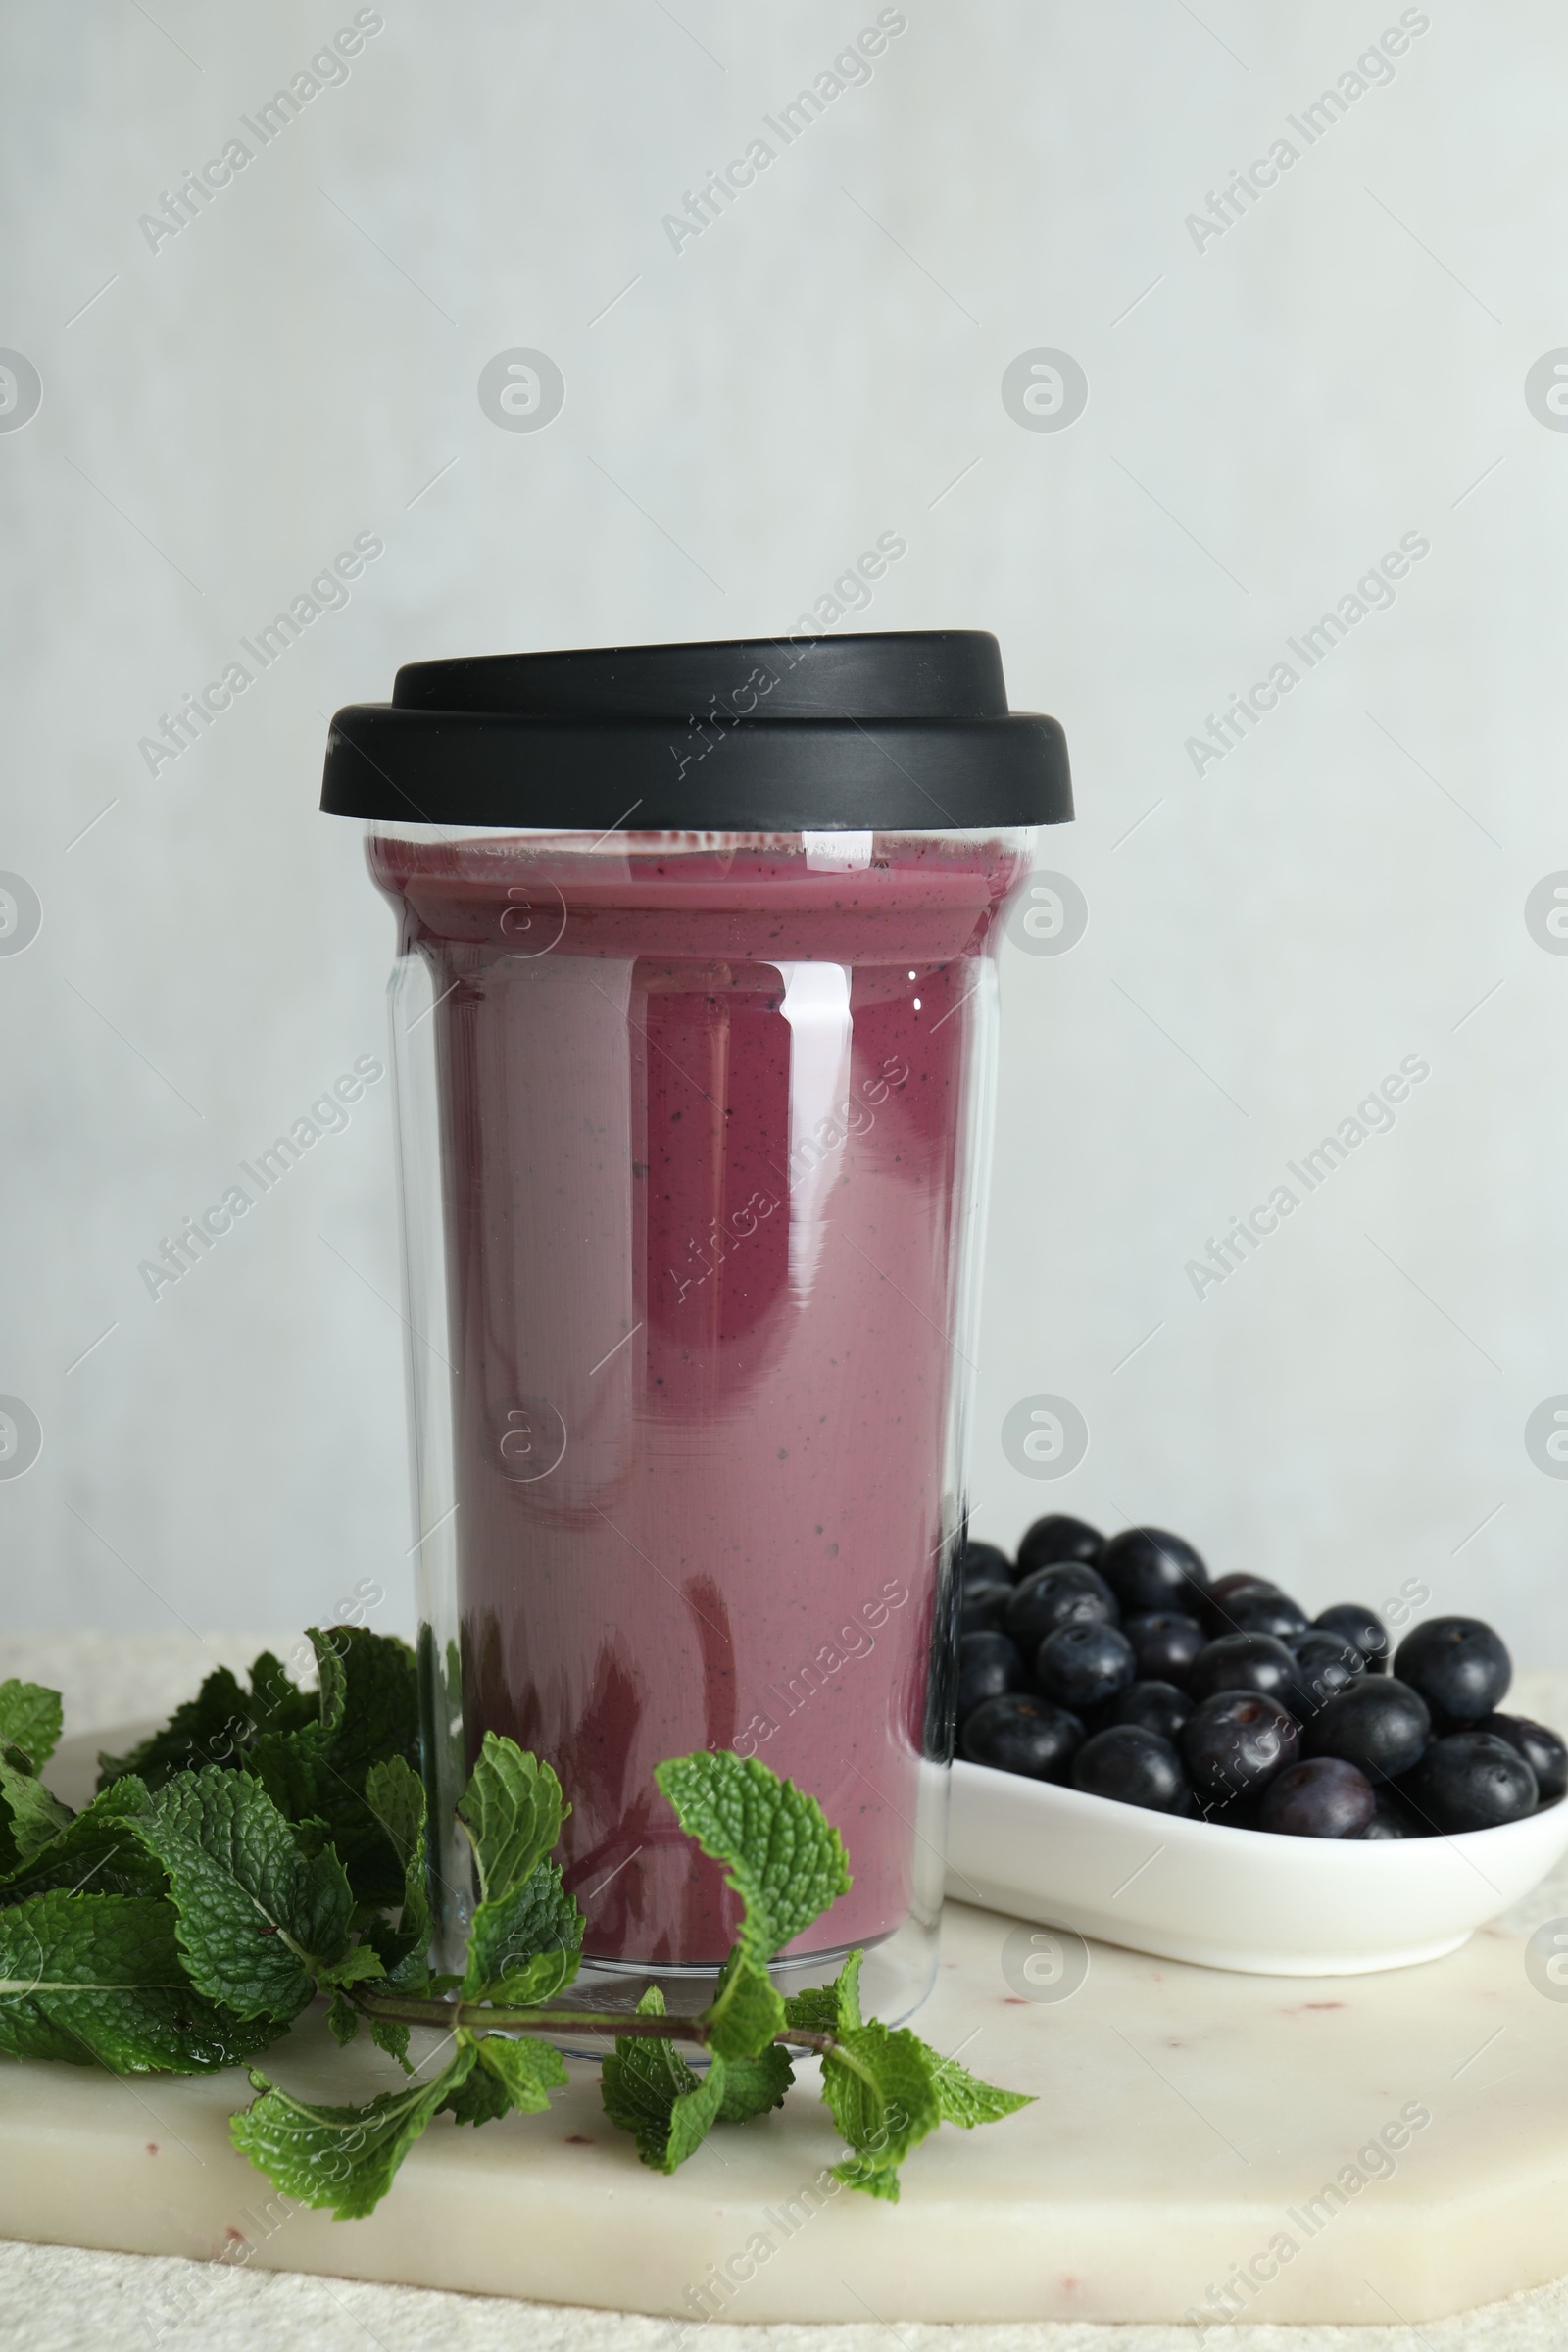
(1217, 1599)
(1235, 1742)
(1259, 1609)
(1154, 1706)
(1242, 1662)
(985, 1564)
(1164, 1644)
(1057, 1538)
(1084, 1664)
(1070, 1594)
(1149, 1569)
(1458, 1665)
(1024, 1735)
(1320, 1797)
(983, 1606)
(1379, 1724)
(1363, 1627)
(1324, 1665)
(1223, 1586)
(1542, 1750)
(1392, 1818)
(1237, 1812)
(1135, 1767)
(989, 1664)
(1471, 1781)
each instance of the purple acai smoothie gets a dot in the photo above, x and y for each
(704, 1118)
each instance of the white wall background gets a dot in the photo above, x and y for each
(1266, 417)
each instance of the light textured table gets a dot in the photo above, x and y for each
(56, 2297)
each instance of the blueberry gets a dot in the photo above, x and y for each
(989, 1664)
(1364, 1626)
(1324, 1665)
(1136, 1767)
(1471, 1781)
(985, 1564)
(1068, 1594)
(1235, 1742)
(1217, 1599)
(1224, 1585)
(983, 1606)
(1458, 1665)
(1154, 1706)
(1392, 1818)
(1081, 1665)
(1148, 1569)
(1261, 1609)
(1320, 1797)
(1542, 1750)
(1022, 1733)
(1165, 1644)
(1379, 1724)
(1057, 1538)
(1242, 1662)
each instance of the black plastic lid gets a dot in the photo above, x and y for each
(908, 731)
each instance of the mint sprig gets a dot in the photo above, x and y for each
(270, 1846)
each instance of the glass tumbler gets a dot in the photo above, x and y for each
(693, 1026)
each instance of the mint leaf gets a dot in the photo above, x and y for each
(480, 2099)
(394, 1795)
(525, 1947)
(745, 2011)
(360, 1965)
(29, 1719)
(209, 1729)
(29, 1817)
(692, 2116)
(366, 1711)
(827, 2008)
(527, 2071)
(510, 2074)
(369, 1700)
(98, 1976)
(344, 2020)
(537, 1980)
(276, 1701)
(513, 1812)
(257, 1920)
(342, 2158)
(293, 1769)
(332, 1677)
(752, 2085)
(964, 2099)
(649, 2091)
(880, 2086)
(786, 1862)
(388, 2035)
(526, 1932)
(99, 1849)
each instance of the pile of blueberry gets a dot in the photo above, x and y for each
(1113, 1663)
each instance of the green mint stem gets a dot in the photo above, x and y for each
(411, 2010)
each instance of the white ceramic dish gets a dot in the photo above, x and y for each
(1233, 1898)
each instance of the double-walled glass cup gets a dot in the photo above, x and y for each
(693, 1126)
